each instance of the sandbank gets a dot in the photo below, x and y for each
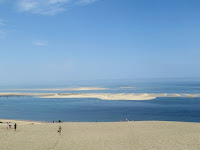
(102, 96)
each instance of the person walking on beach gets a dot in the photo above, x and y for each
(15, 126)
(59, 130)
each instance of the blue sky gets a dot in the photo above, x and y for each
(62, 40)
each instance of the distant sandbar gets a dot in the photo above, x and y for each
(102, 96)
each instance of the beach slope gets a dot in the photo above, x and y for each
(146, 135)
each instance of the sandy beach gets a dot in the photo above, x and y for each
(144, 135)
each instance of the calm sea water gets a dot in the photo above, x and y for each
(91, 110)
(86, 110)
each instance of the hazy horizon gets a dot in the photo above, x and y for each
(98, 83)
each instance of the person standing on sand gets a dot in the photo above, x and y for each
(7, 125)
(59, 130)
(15, 126)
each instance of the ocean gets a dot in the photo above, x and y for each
(186, 109)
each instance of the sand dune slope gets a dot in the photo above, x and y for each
(102, 136)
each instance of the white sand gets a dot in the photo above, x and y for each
(101, 136)
(191, 95)
(126, 87)
(24, 94)
(102, 96)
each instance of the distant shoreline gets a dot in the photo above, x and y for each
(102, 96)
(21, 121)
